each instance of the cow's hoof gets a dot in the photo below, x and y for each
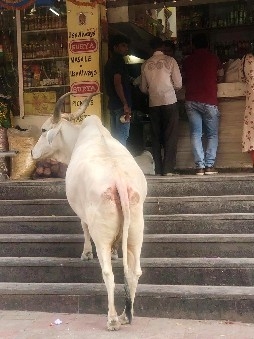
(123, 319)
(87, 256)
(114, 254)
(113, 325)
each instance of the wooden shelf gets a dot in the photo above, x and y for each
(45, 30)
(46, 58)
(189, 30)
(44, 87)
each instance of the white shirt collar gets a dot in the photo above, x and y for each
(158, 53)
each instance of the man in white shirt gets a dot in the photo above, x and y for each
(160, 76)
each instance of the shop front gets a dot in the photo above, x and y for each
(44, 55)
(50, 48)
(47, 48)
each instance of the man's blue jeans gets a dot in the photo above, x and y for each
(204, 120)
(119, 130)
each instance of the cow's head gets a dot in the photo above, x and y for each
(59, 134)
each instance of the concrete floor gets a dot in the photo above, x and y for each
(37, 325)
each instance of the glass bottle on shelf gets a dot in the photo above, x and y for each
(60, 77)
(47, 48)
(31, 23)
(26, 24)
(24, 51)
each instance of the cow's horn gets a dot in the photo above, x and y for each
(81, 110)
(57, 111)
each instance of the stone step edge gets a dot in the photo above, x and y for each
(41, 182)
(221, 177)
(200, 198)
(219, 216)
(148, 238)
(242, 176)
(233, 263)
(173, 291)
(40, 218)
(194, 198)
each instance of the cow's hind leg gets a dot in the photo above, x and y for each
(104, 255)
(87, 251)
(131, 282)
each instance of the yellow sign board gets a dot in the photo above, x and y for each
(84, 44)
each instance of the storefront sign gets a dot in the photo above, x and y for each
(83, 46)
(18, 4)
(85, 87)
(84, 54)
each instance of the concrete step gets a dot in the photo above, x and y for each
(200, 223)
(154, 224)
(32, 207)
(199, 204)
(152, 206)
(198, 245)
(40, 225)
(154, 245)
(232, 303)
(189, 185)
(158, 271)
(182, 185)
(32, 189)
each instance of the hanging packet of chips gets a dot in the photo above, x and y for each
(22, 165)
(5, 118)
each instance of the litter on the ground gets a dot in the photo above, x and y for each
(56, 322)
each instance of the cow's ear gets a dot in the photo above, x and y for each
(51, 134)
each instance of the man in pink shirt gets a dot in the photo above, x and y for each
(201, 71)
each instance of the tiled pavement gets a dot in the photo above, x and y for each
(37, 325)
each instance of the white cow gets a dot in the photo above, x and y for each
(106, 189)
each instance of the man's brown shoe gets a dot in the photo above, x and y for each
(210, 170)
(200, 171)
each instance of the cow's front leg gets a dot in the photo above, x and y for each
(104, 255)
(87, 251)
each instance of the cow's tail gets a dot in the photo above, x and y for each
(123, 192)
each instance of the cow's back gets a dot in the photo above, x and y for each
(98, 162)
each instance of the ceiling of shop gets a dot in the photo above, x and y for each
(150, 3)
(159, 3)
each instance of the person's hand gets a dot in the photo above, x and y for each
(127, 117)
(127, 112)
(126, 109)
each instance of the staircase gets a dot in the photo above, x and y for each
(197, 255)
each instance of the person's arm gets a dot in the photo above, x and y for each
(120, 92)
(220, 72)
(176, 76)
(241, 70)
(143, 86)
(220, 75)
